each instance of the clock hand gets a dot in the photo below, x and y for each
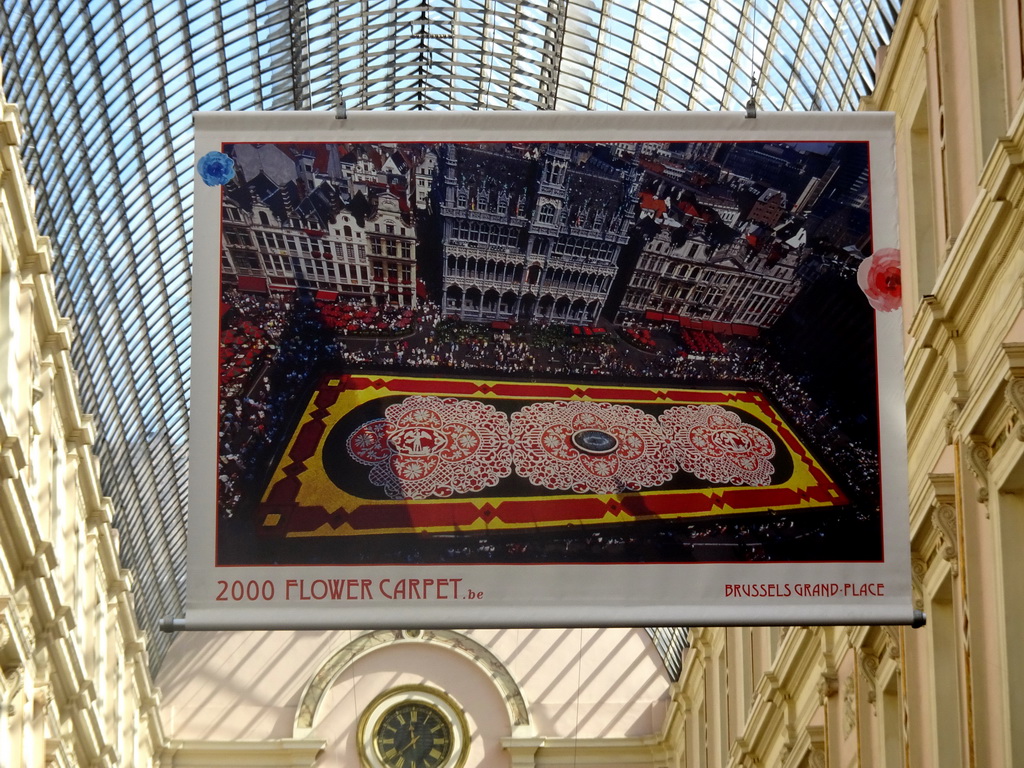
(413, 741)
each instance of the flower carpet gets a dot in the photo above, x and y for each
(394, 454)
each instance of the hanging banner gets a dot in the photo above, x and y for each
(475, 370)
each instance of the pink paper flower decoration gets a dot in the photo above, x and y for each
(879, 277)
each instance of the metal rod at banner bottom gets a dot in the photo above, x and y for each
(182, 624)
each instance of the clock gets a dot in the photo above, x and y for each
(413, 727)
(413, 734)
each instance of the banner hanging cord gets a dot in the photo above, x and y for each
(751, 105)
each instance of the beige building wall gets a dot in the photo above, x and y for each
(951, 693)
(74, 685)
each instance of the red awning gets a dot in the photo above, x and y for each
(252, 284)
(501, 325)
(326, 295)
(651, 315)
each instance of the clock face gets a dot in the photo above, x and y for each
(413, 734)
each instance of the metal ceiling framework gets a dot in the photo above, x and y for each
(108, 88)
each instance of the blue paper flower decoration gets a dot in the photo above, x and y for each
(216, 168)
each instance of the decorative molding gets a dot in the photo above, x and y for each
(528, 751)
(523, 752)
(949, 422)
(892, 640)
(1014, 393)
(918, 571)
(59, 627)
(331, 669)
(85, 696)
(828, 685)
(978, 454)
(281, 752)
(849, 706)
(43, 694)
(943, 519)
(1014, 390)
(868, 665)
(817, 756)
(45, 667)
(14, 681)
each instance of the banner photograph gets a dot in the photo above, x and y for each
(546, 370)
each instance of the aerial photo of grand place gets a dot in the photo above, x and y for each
(560, 352)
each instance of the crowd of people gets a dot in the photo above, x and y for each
(826, 534)
(256, 406)
(273, 371)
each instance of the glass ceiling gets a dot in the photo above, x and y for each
(107, 90)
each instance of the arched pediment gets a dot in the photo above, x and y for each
(320, 683)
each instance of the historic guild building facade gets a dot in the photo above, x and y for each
(334, 222)
(690, 275)
(703, 260)
(531, 238)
